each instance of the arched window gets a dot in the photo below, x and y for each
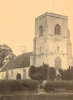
(40, 31)
(57, 29)
(58, 63)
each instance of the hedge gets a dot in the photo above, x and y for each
(30, 84)
(9, 85)
(17, 85)
(51, 86)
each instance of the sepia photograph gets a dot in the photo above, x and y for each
(36, 49)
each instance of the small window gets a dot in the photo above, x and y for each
(24, 70)
(40, 31)
(58, 48)
(11, 72)
(40, 49)
(57, 30)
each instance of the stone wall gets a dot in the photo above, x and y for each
(49, 46)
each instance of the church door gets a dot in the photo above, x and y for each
(18, 76)
(58, 63)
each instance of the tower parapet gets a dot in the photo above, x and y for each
(51, 40)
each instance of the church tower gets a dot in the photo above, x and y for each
(50, 41)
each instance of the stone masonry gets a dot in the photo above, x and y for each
(51, 44)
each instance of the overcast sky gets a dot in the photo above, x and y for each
(17, 20)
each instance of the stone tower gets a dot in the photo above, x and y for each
(51, 44)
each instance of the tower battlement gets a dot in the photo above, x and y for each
(52, 44)
(52, 15)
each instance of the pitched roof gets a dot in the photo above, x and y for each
(20, 61)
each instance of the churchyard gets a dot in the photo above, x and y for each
(35, 89)
(49, 66)
(28, 89)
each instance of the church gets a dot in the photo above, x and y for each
(51, 44)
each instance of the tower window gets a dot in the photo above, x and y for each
(40, 31)
(57, 30)
(58, 48)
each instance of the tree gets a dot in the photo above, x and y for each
(39, 73)
(52, 73)
(63, 75)
(4, 51)
(32, 71)
(66, 74)
(45, 72)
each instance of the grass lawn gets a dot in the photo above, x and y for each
(35, 92)
(37, 96)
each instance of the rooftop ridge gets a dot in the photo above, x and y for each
(53, 15)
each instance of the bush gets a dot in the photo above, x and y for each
(51, 86)
(52, 73)
(9, 85)
(32, 71)
(67, 74)
(30, 84)
(17, 85)
(39, 73)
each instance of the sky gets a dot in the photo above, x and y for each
(17, 20)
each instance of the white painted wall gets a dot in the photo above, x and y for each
(15, 71)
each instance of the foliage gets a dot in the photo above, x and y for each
(4, 51)
(32, 71)
(9, 85)
(17, 85)
(45, 72)
(39, 73)
(66, 74)
(42, 72)
(52, 73)
(52, 85)
(31, 85)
